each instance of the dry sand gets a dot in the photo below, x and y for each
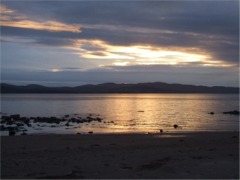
(212, 155)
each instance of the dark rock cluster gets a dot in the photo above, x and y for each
(235, 112)
(15, 123)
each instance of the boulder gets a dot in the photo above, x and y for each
(12, 132)
(98, 119)
(235, 112)
(6, 118)
(15, 116)
(2, 128)
(10, 122)
(23, 133)
(19, 124)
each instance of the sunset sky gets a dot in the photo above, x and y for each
(90, 42)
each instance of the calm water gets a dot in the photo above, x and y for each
(131, 112)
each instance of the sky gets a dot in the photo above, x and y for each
(70, 43)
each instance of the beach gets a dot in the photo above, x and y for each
(195, 155)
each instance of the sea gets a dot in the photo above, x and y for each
(127, 113)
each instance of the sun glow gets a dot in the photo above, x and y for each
(140, 54)
(55, 70)
(120, 63)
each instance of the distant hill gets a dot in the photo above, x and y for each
(155, 87)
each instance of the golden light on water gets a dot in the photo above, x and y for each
(152, 112)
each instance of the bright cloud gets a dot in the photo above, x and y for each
(11, 18)
(55, 70)
(48, 25)
(143, 54)
(5, 10)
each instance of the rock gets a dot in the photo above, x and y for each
(12, 132)
(73, 120)
(3, 121)
(15, 116)
(53, 118)
(67, 124)
(89, 118)
(175, 126)
(6, 118)
(19, 124)
(10, 122)
(78, 121)
(235, 112)
(98, 119)
(24, 119)
(24, 134)
(29, 125)
(2, 128)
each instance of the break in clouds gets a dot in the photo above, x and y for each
(194, 42)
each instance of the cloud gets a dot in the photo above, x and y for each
(208, 17)
(128, 74)
(130, 34)
(48, 25)
(11, 18)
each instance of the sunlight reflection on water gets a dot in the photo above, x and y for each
(132, 112)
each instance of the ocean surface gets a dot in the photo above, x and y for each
(124, 113)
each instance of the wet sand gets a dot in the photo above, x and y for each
(211, 155)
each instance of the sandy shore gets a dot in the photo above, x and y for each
(212, 155)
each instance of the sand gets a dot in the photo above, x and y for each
(201, 155)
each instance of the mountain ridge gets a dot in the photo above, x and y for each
(151, 87)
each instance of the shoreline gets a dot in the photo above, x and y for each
(156, 132)
(17, 124)
(102, 156)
